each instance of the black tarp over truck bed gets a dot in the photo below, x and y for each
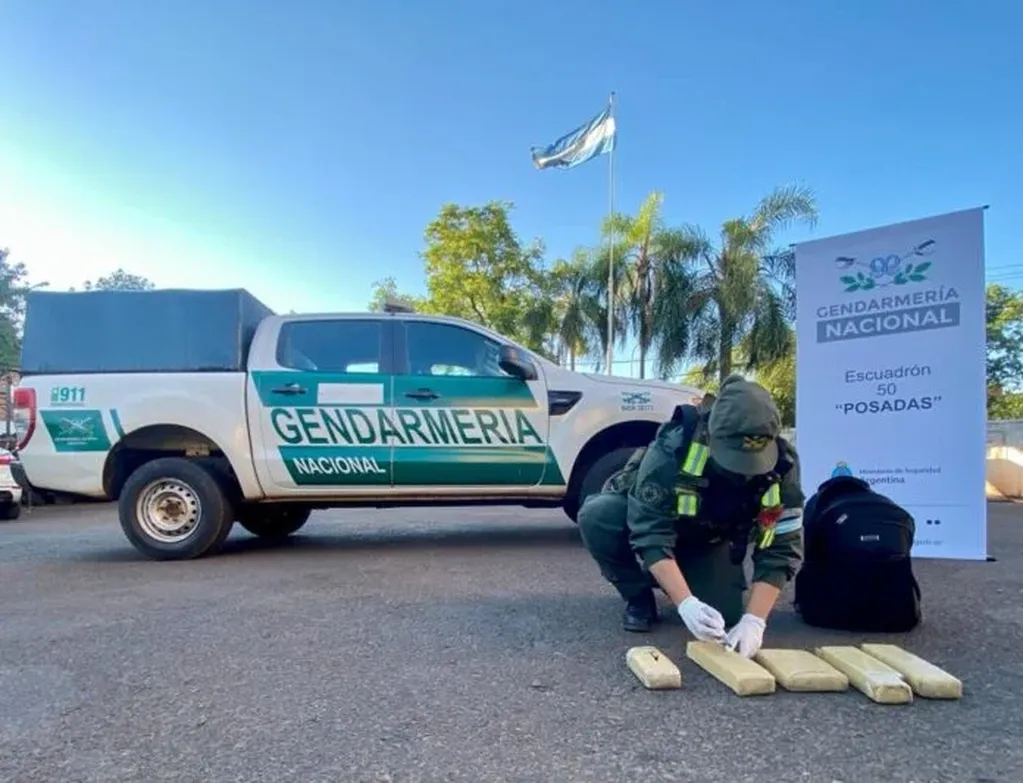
(166, 330)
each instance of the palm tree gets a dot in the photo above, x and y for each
(598, 273)
(637, 236)
(743, 293)
(656, 282)
(673, 286)
(577, 310)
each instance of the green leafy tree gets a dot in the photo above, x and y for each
(13, 288)
(386, 292)
(743, 294)
(778, 376)
(119, 280)
(1004, 315)
(10, 344)
(695, 375)
(477, 268)
(1005, 406)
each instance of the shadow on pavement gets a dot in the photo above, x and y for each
(523, 536)
(318, 540)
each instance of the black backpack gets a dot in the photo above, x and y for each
(857, 573)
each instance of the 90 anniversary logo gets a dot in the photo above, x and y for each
(884, 271)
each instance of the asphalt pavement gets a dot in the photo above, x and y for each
(447, 645)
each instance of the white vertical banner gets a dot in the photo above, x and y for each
(891, 371)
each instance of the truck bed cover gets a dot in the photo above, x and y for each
(165, 330)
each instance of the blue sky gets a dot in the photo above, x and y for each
(300, 149)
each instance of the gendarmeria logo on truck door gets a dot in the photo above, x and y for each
(351, 427)
(322, 426)
(475, 431)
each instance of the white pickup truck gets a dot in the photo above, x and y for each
(199, 409)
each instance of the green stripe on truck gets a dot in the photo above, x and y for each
(369, 466)
(117, 423)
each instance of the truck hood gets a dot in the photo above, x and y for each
(636, 383)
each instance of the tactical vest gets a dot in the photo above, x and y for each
(690, 482)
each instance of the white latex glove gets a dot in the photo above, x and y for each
(703, 621)
(746, 636)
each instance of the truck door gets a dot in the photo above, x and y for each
(467, 422)
(320, 408)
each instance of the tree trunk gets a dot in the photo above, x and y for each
(643, 279)
(571, 361)
(724, 354)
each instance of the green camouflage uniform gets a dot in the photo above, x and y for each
(654, 507)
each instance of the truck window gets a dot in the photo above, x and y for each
(339, 346)
(445, 349)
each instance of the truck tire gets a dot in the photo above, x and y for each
(273, 523)
(10, 511)
(599, 471)
(173, 509)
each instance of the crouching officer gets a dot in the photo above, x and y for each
(683, 511)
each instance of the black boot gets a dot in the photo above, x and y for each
(640, 613)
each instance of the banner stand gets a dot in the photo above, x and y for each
(891, 371)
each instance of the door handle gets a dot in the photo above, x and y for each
(422, 394)
(291, 388)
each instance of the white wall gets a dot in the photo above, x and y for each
(1005, 457)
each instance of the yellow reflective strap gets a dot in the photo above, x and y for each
(772, 497)
(686, 506)
(696, 459)
(766, 537)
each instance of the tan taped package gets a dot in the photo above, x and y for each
(801, 670)
(653, 668)
(876, 680)
(924, 678)
(745, 677)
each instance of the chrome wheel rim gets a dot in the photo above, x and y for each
(168, 511)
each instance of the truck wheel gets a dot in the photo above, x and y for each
(599, 471)
(273, 522)
(10, 511)
(173, 509)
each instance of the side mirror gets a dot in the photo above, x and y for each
(515, 363)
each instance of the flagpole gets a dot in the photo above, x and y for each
(611, 245)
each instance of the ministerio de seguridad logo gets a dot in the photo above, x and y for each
(886, 270)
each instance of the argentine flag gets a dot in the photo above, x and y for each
(596, 137)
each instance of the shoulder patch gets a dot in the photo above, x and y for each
(652, 494)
